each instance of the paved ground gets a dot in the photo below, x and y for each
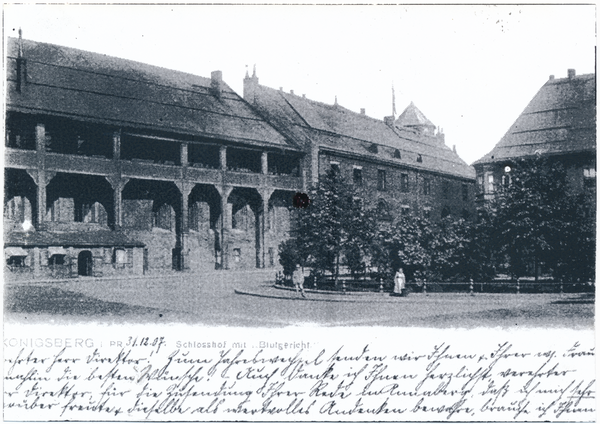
(249, 299)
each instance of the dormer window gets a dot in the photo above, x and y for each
(419, 158)
(397, 154)
(373, 148)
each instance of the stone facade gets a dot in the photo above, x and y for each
(114, 167)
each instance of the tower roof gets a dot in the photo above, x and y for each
(413, 117)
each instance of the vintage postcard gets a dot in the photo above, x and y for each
(299, 213)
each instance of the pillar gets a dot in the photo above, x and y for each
(37, 262)
(183, 154)
(117, 184)
(185, 189)
(41, 199)
(225, 225)
(116, 139)
(223, 157)
(264, 163)
(265, 193)
(40, 178)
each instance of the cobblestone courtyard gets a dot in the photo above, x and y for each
(248, 299)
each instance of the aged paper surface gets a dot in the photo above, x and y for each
(192, 373)
(97, 372)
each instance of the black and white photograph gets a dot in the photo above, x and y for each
(299, 213)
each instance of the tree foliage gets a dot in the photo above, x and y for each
(533, 220)
(537, 220)
(334, 230)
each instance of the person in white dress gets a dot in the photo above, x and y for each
(298, 278)
(399, 283)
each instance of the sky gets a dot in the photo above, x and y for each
(471, 69)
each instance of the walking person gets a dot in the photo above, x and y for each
(399, 283)
(298, 278)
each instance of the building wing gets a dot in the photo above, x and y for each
(560, 119)
(94, 87)
(335, 127)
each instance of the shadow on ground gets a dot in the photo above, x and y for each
(56, 301)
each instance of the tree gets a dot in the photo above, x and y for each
(289, 257)
(335, 229)
(538, 220)
(404, 246)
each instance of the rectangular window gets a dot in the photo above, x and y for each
(357, 176)
(335, 166)
(589, 172)
(490, 186)
(446, 188)
(589, 178)
(405, 210)
(426, 186)
(237, 255)
(480, 183)
(381, 183)
(404, 183)
(465, 193)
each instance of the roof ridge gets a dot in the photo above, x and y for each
(105, 55)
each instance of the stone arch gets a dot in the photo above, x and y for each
(79, 198)
(19, 197)
(149, 208)
(246, 211)
(204, 207)
(280, 211)
(145, 200)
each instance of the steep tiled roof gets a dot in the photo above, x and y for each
(337, 128)
(413, 117)
(96, 87)
(561, 118)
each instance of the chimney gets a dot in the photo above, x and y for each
(216, 83)
(551, 78)
(571, 73)
(21, 64)
(304, 96)
(291, 91)
(454, 148)
(389, 121)
(250, 87)
(362, 111)
(441, 137)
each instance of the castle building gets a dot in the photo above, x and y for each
(558, 123)
(114, 167)
(403, 165)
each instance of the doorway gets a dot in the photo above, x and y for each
(84, 263)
